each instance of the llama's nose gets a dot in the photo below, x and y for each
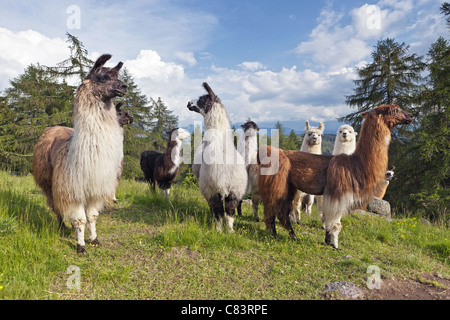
(344, 134)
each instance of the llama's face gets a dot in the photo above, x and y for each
(313, 136)
(179, 134)
(346, 133)
(391, 114)
(105, 81)
(204, 104)
(390, 175)
(123, 116)
(250, 129)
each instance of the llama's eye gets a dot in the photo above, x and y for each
(103, 79)
(340, 131)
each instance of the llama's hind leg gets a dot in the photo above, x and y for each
(77, 217)
(92, 213)
(332, 214)
(216, 206)
(231, 202)
(255, 205)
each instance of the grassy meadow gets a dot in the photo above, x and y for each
(155, 249)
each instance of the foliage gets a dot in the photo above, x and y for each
(424, 159)
(34, 101)
(390, 78)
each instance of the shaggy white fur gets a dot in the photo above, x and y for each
(248, 147)
(218, 165)
(345, 141)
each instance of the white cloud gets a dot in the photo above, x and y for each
(251, 65)
(20, 49)
(187, 57)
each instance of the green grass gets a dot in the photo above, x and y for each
(155, 249)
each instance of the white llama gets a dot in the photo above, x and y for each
(248, 146)
(312, 143)
(217, 164)
(345, 141)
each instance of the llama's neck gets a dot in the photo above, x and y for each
(97, 133)
(346, 147)
(172, 156)
(315, 148)
(217, 118)
(373, 146)
(247, 145)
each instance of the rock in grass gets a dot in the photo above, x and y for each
(346, 289)
(381, 207)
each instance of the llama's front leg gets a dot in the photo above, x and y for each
(231, 202)
(333, 226)
(296, 207)
(320, 207)
(77, 217)
(255, 205)
(92, 213)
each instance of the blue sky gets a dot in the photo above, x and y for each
(267, 60)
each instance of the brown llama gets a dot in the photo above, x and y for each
(347, 182)
(78, 169)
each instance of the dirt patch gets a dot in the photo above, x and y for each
(426, 287)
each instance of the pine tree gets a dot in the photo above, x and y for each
(391, 78)
(424, 161)
(77, 65)
(292, 142)
(163, 121)
(34, 101)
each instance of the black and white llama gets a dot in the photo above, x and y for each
(219, 167)
(162, 168)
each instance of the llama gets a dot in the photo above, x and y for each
(312, 143)
(345, 141)
(390, 175)
(163, 168)
(77, 170)
(219, 167)
(346, 181)
(124, 119)
(247, 146)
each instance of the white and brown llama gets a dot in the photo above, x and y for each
(218, 166)
(78, 170)
(247, 146)
(312, 143)
(347, 182)
(345, 142)
(162, 168)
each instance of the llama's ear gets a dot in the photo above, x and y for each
(119, 105)
(392, 168)
(321, 126)
(100, 62)
(119, 65)
(209, 90)
(364, 114)
(306, 125)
